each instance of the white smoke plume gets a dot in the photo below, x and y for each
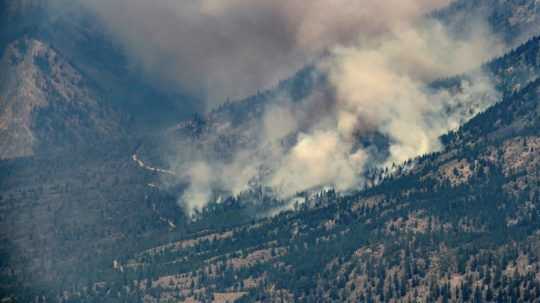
(232, 48)
(378, 84)
(379, 57)
(382, 84)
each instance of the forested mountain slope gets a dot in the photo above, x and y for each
(82, 221)
(462, 225)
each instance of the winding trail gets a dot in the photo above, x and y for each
(151, 168)
(143, 165)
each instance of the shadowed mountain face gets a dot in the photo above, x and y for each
(47, 104)
(65, 83)
(89, 207)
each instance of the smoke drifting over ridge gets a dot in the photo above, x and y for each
(383, 84)
(222, 49)
(379, 58)
(377, 83)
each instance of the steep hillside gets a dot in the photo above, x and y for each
(517, 68)
(89, 207)
(461, 226)
(84, 41)
(64, 77)
(46, 102)
(59, 212)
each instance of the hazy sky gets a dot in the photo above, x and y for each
(233, 48)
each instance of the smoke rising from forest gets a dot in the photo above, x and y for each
(379, 58)
(380, 85)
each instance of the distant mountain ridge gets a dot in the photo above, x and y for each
(47, 102)
(81, 221)
(134, 105)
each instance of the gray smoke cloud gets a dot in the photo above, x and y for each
(382, 84)
(377, 84)
(232, 48)
(379, 58)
